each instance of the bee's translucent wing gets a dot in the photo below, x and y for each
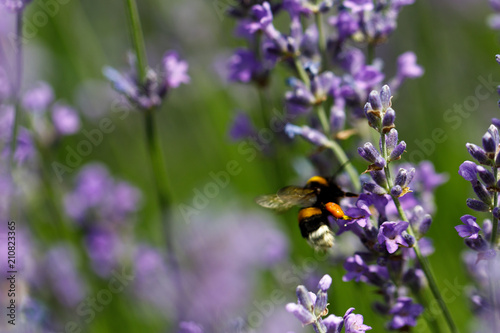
(287, 197)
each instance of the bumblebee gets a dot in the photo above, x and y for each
(319, 198)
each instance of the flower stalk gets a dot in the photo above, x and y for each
(424, 264)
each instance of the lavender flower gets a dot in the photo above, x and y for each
(39, 98)
(150, 93)
(354, 322)
(405, 313)
(65, 119)
(14, 5)
(391, 234)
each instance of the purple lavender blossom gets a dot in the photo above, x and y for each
(65, 119)
(407, 69)
(99, 197)
(354, 322)
(175, 70)
(244, 66)
(310, 134)
(405, 313)
(14, 5)
(63, 277)
(242, 127)
(358, 5)
(190, 327)
(25, 149)
(390, 234)
(355, 268)
(150, 93)
(311, 308)
(38, 98)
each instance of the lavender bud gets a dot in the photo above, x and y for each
(303, 297)
(425, 225)
(414, 278)
(374, 188)
(398, 151)
(487, 228)
(325, 282)
(494, 133)
(482, 193)
(374, 100)
(372, 116)
(495, 122)
(385, 97)
(401, 177)
(321, 303)
(496, 212)
(497, 160)
(388, 121)
(379, 177)
(478, 154)
(391, 140)
(489, 144)
(409, 176)
(477, 244)
(369, 153)
(410, 240)
(396, 191)
(468, 171)
(486, 176)
(301, 313)
(310, 134)
(337, 119)
(477, 205)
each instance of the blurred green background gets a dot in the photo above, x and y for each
(451, 40)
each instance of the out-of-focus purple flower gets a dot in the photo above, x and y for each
(358, 5)
(242, 127)
(4, 83)
(301, 100)
(65, 119)
(150, 93)
(346, 24)
(38, 98)
(405, 313)
(407, 69)
(14, 5)
(63, 277)
(355, 267)
(310, 134)
(25, 150)
(175, 70)
(189, 327)
(99, 197)
(104, 248)
(219, 270)
(243, 66)
(390, 234)
(354, 322)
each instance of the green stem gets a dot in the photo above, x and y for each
(155, 153)
(344, 160)
(321, 38)
(370, 53)
(302, 72)
(137, 38)
(323, 119)
(424, 264)
(17, 85)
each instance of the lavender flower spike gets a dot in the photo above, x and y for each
(405, 313)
